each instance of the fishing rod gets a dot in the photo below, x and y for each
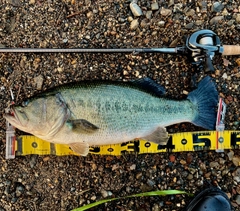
(200, 47)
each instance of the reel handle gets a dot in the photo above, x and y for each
(208, 64)
(231, 50)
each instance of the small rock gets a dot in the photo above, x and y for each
(128, 189)
(133, 167)
(134, 24)
(165, 12)
(33, 160)
(32, 2)
(172, 158)
(139, 175)
(156, 207)
(93, 198)
(238, 61)
(217, 72)
(217, 7)
(150, 182)
(136, 10)
(189, 158)
(39, 82)
(207, 175)
(183, 162)
(230, 23)
(130, 18)
(190, 176)
(154, 6)
(237, 179)
(236, 160)
(184, 174)
(161, 23)
(105, 193)
(214, 164)
(224, 75)
(225, 12)
(238, 18)
(203, 6)
(199, 183)
(226, 62)
(189, 25)
(238, 199)
(148, 14)
(216, 19)
(199, 22)
(177, 7)
(89, 14)
(230, 155)
(190, 13)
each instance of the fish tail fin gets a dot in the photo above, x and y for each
(205, 97)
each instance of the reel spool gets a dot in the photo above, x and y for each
(202, 46)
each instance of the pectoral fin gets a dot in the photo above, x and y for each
(82, 126)
(159, 136)
(81, 148)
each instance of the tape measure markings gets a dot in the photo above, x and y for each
(178, 142)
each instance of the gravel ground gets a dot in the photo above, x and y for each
(64, 183)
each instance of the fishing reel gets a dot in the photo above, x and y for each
(202, 46)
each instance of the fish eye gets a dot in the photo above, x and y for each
(25, 103)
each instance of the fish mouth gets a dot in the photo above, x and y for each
(12, 117)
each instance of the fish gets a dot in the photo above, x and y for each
(94, 113)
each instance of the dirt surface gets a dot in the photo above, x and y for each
(64, 183)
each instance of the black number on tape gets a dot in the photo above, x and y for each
(198, 140)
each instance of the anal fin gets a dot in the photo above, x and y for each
(81, 148)
(158, 136)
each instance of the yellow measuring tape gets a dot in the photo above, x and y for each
(178, 142)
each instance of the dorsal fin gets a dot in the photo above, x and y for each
(150, 86)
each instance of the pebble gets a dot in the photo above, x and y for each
(216, 19)
(224, 75)
(105, 193)
(214, 164)
(19, 190)
(230, 23)
(172, 158)
(238, 61)
(136, 10)
(165, 12)
(39, 82)
(190, 176)
(199, 22)
(154, 6)
(190, 13)
(236, 160)
(189, 25)
(33, 160)
(161, 23)
(217, 7)
(148, 14)
(203, 6)
(133, 167)
(230, 155)
(184, 174)
(134, 24)
(238, 18)
(238, 199)
(32, 2)
(156, 207)
(139, 175)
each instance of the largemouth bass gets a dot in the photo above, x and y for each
(103, 112)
